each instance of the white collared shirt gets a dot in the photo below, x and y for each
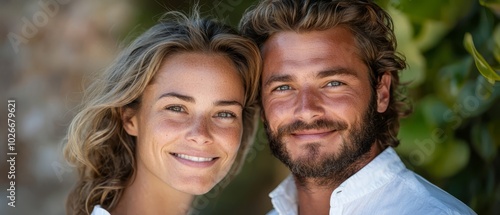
(99, 211)
(383, 186)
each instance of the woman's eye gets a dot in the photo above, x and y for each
(176, 108)
(283, 88)
(334, 84)
(226, 115)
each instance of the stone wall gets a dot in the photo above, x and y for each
(49, 50)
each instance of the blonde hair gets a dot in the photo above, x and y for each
(98, 146)
(371, 27)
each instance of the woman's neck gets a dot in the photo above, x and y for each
(152, 196)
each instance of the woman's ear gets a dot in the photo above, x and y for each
(384, 92)
(129, 120)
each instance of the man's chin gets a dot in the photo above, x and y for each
(309, 159)
(310, 162)
(313, 154)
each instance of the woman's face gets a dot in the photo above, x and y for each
(189, 122)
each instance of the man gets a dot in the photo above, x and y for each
(331, 108)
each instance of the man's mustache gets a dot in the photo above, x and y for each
(299, 125)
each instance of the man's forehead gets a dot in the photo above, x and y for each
(337, 36)
(287, 50)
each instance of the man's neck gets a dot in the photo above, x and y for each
(314, 201)
(314, 194)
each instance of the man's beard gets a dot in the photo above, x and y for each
(331, 168)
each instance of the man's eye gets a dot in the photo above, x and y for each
(283, 88)
(176, 108)
(226, 115)
(334, 84)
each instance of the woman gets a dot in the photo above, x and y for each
(166, 121)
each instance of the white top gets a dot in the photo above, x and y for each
(383, 186)
(99, 211)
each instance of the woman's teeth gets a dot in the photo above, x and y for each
(193, 158)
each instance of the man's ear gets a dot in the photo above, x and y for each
(383, 92)
(129, 120)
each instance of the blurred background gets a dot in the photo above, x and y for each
(49, 50)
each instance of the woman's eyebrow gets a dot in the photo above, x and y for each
(178, 96)
(228, 103)
(192, 100)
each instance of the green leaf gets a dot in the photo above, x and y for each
(383, 3)
(431, 33)
(496, 41)
(448, 12)
(481, 64)
(452, 157)
(452, 78)
(433, 110)
(472, 102)
(484, 88)
(493, 128)
(417, 143)
(403, 29)
(483, 142)
(421, 10)
(494, 5)
(415, 72)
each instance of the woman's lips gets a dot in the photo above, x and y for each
(193, 158)
(194, 161)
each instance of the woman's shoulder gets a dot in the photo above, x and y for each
(99, 211)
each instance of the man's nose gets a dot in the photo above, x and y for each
(309, 105)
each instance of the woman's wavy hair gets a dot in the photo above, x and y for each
(371, 26)
(98, 146)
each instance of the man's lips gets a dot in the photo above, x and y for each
(312, 131)
(312, 134)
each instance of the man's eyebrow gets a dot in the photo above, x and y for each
(337, 71)
(278, 78)
(177, 95)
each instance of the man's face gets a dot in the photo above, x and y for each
(320, 111)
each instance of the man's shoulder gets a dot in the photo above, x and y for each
(407, 193)
(420, 194)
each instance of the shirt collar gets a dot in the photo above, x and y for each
(284, 197)
(372, 176)
(380, 171)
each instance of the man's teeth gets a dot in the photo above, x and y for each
(193, 158)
